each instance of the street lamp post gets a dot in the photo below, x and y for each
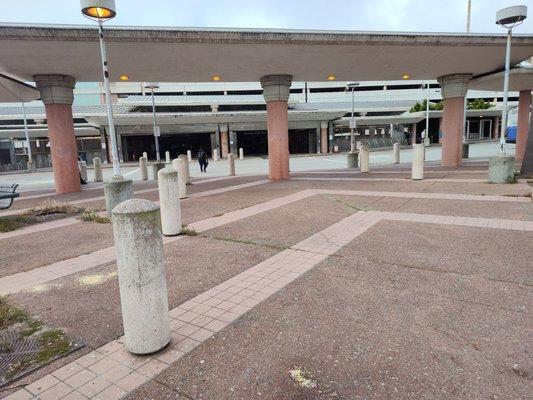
(101, 11)
(509, 18)
(153, 87)
(353, 125)
(28, 143)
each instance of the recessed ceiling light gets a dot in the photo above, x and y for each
(216, 78)
(331, 77)
(406, 76)
(124, 77)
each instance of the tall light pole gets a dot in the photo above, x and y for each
(27, 134)
(509, 18)
(152, 87)
(101, 11)
(353, 124)
(468, 14)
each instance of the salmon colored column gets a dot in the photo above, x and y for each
(224, 143)
(324, 137)
(524, 108)
(57, 95)
(276, 93)
(454, 88)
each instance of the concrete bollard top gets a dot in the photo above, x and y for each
(135, 206)
(168, 170)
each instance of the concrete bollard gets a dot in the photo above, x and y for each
(396, 153)
(83, 170)
(97, 164)
(156, 167)
(116, 191)
(231, 164)
(169, 201)
(365, 158)
(145, 155)
(353, 159)
(189, 156)
(167, 157)
(187, 171)
(141, 276)
(241, 153)
(501, 169)
(417, 166)
(180, 165)
(143, 166)
(215, 155)
(465, 150)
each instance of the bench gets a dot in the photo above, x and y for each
(7, 195)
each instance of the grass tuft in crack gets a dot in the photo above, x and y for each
(92, 216)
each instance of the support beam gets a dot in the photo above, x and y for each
(57, 95)
(324, 137)
(276, 90)
(524, 108)
(224, 141)
(454, 88)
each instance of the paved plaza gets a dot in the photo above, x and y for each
(335, 284)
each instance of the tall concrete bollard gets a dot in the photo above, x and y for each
(241, 153)
(169, 201)
(502, 169)
(396, 153)
(215, 155)
(156, 167)
(97, 165)
(116, 191)
(364, 154)
(167, 157)
(187, 170)
(231, 164)
(141, 276)
(352, 159)
(83, 169)
(417, 168)
(180, 165)
(189, 156)
(143, 166)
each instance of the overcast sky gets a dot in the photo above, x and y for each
(369, 15)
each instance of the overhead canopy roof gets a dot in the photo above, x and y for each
(519, 79)
(195, 55)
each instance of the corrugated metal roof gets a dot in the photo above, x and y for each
(77, 111)
(195, 100)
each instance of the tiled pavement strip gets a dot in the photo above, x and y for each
(110, 372)
(75, 220)
(42, 275)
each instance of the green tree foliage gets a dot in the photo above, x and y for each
(478, 104)
(421, 106)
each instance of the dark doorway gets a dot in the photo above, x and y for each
(254, 143)
(176, 144)
(299, 141)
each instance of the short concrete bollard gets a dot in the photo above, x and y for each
(353, 159)
(83, 170)
(167, 157)
(241, 153)
(180, 165)
(215, 155)
(141, 276)
(156, 167)
(169, 201)
(465, 150)
(116, 191)
(365, 158)
(97, 165)
(501, 169)
(231, 164)
(145, 155)
(143, 166)
(417, 167)
(396, 153)
(189, 156)
(187, 171)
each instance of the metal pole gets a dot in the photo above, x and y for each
(352, 123)
(110, 119)
(505, 92)
(427, 113)
(469, 13)
(157, 156)
(26, 132)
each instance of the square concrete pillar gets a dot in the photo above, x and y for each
(524, 108)
(57, 95)
(276, 90)
(224, 141)
(324, 137)
(454, 89)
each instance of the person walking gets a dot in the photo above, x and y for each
(202, 160)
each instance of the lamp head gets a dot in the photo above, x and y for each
(98, 9)
(152, 86)
(509, 17)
